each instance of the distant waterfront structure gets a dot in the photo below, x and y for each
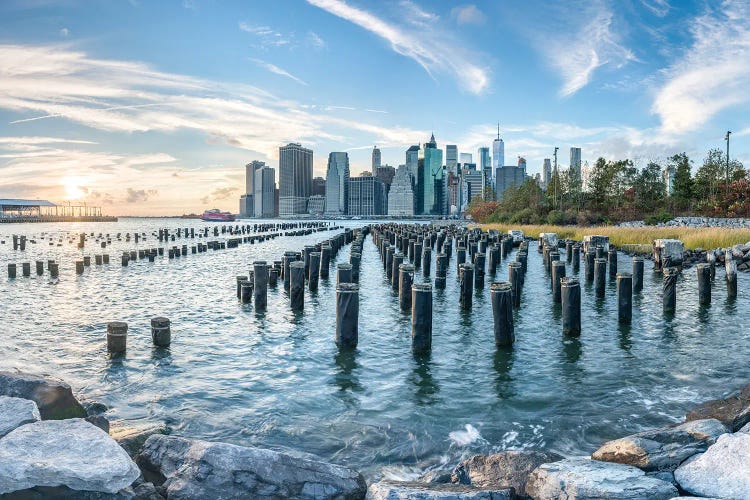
(375, 159)
(498, 152)
(472, 186)
(509, 176)
(451, 158)
(337, 183)
(318, 186)
(575, 162)
(669, 174)
(386, 174)
(316, 205)
(432, 174)
(546, 173)
(485, 165)
(15, 210)
(264, 192)
(247, 201)
(367, 196)
(401, 194)
(295, 179)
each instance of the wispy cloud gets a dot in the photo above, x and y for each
(713, 73)
(316, 41)
(431, 47)
(468, 14)
(577, 52)
(267, 36)
(278, 71)
(64, 32)
(657, 7)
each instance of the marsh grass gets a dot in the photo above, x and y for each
(706, 238)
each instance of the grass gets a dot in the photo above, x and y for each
(706, 238)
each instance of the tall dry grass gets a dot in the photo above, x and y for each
(707, 238)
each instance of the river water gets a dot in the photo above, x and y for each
(275, 379)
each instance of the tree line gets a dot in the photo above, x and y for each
(618, 191)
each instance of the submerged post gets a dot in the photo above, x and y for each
(637, 274)
(558, 273)
(612, 264)
(344, 273)
(514, 276)
(314, 271)
(570, 290)
(398, 259)
(297, 285)
(347, 315)
(426, 261)
(576, 257)
(731, 269)
(117, 336)
(161, 334)
(669, 296)
(260, 284)
(501, 295)
(405, 280)
(704, 284)
(466, 285)
(421, 317)
(600, 274)
(624, 297)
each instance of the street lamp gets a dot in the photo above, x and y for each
(726, 138)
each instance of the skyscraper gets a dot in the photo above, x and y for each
(401, 194)
(375, 159)
(508, 176)
(412, 159)
(264, 192)
(546, 173)
(247, 201)
(367, 196)
(485, 165)
(466, 158)
(295, 179)
(432, 203)
(385, 173)
(451, 158)
(575, 162)
(498, 151)
(337, 183)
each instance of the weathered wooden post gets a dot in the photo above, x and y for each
(246, 291)
(240, 279)
(589, 264)
(600, 274)
(569, 252)
(161, 334)
(405, 279)
(427, 262)
(624, 297)
(558, 273)
(260, 284)
(297, 285)
(421, 317)
(704, 284)
(570, 291)
(79, 267)
(39, 267)
(501, 295)
(117, 336)
(26, 269)
(514, 276)
(344, 273)
(612, 264)
(12, 271)
(325, 261)
(466, 285)
(347, 315)
(479, 270)
(355, 258)
(398, 259)
(669, 296)
(637, 274)
(576, 259)
(730, 266)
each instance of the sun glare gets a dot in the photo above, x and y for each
(73, 189)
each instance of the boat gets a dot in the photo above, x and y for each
(216, 215)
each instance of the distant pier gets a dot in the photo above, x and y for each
(26, 211)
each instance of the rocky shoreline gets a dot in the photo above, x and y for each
(54, 447)
(731, 223)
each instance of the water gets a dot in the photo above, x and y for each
(276, 379)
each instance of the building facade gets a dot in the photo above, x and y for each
(316, 205)
(546, 173)
(401, 194)
(509, 176)
(451, 158)
(295, 179)
(432, 173)
(485, 165)
(368, 196)
(498, 152)
(318, 186)
(375, 159)
(337, 183)
(247, 203)
(264, 191)
(575, 162)
(472, 186)
(386, 174)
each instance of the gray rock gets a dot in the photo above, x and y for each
(133, 437)
(734, 411)
(500, 470)
(200, 469)
(53, 397)
(392, 490)
(662, 449)
(722, 471)
(581, 478)
(436, 477)
(100, 421)
(94, 408)
(15, 412)
(70, 453)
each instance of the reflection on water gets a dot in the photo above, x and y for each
(275, 378)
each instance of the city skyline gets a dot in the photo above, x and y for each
(96, 106)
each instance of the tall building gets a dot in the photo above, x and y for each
(247, 202)
(375, 159)
(412, 160)
(386, 174)
(451, 158)
(453, 189)
(575, 162)
(485, 164)
(295, 179)
(368, 196)
(472, 186)
(546, 173)
(498, 152)
(316, 205)
(337, 183)
(264, 192)
(318, 186)
(432, 193)
(508, 176)
(401, 194)
(466, 158)
(668, 174)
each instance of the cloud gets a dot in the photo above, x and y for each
(64, 32)
(139, 195)
(421, 39)
(577, 53)
(713, 73)
(223, 193)
(278, 71)
(316, 41)
(467, 14)
(267, 37)
(659, 8)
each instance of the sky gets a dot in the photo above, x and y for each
(149, 107)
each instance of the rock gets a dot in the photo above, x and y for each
(65, 493)
(436, 477)
(15, 412)
(100, 421)
(509, 468)
(53, 397)
(200, 469)
(581, 478)
(722, 471)
(392, 490)
(132, 438)
(733, 411)
(70, 453)
(662, 449)
(94, 408)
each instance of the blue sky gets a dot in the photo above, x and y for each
(152, 107)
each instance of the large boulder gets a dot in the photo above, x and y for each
(662, 449)
(15, 412)
(722, 471)
(392, 490)
(132, 436)
(581, 478)
(71, 453)
(190, 468)
(53, 397)
(733, 411)
(500, 470)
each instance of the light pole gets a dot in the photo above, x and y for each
(557, 177)
(726, 138)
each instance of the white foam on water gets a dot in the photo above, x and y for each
(400, 473)
(468, 436)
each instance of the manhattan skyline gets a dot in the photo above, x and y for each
(151, 108)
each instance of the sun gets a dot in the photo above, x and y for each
(73, 190)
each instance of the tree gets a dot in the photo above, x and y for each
(648, 187)
(713, 175)
(682, 186)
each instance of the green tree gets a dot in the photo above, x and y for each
(682, 187)
(713, 175)
(648, 187)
